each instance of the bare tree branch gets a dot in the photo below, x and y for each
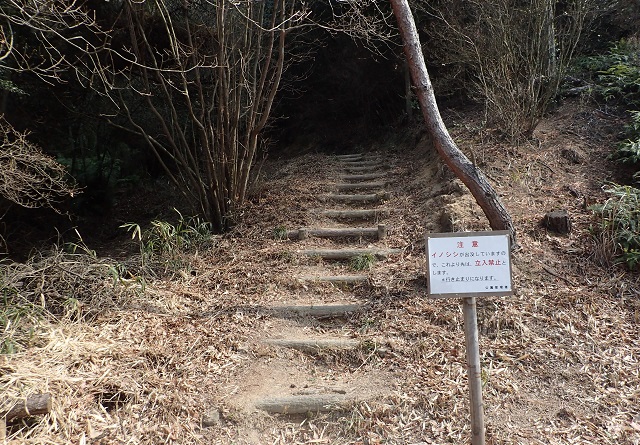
(28, 177)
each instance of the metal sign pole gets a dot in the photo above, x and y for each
(473, 370)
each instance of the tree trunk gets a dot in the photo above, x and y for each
(472, 177)
(408, 94)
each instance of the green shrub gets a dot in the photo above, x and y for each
(617, 77)
(620, 222)
(280, 233)
(164, 243)
(616, 74)
(628, 151)
(621, 80)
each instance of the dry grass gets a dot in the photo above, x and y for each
(560, 358)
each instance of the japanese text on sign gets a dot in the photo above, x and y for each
(469, 263)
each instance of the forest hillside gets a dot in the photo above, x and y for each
(214, 219)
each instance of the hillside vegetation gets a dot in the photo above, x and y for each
(141, 302)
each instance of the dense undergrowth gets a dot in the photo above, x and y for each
(71, 283)
(57, 285)
(616, 80)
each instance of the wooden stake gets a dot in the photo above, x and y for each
(341, 232)
(357, 198)
(338, 280)
(360, 186)
(362, 163)
(363, 176)
(302, 404)
(317, 311)
(347, 254)
(351, 156)
(363, 169)
(314, 345)
(474, 371)
(356, 214)
(33, 405)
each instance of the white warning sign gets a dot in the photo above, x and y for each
(467, 264)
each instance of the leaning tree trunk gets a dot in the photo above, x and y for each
(472, 177)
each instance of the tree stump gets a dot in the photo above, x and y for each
(557, 221)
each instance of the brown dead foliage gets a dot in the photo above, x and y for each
(560, 358)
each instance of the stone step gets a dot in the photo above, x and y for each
(303, 404)
(346, 254)
(358, 198)
(317, 345)
(379, 232)
(363, 177)
(338, 280)
(317, 310)
(357, 215)
(360, 186)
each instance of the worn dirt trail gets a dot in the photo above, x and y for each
(339, 252)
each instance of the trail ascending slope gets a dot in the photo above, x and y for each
(302, 382)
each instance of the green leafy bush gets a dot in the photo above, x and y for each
(621, 79)
(628, 151)
(364, 261)
(280, 233)
(620, 222)
(616, 75)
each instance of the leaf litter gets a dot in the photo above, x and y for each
(559, 358)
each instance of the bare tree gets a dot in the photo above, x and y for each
(514, 53)
(28, 177)
(196, 79)
(208, 75)
(472, 177)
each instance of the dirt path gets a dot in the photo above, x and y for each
(290, 375)
(253, 323)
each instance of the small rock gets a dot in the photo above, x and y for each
(573, 155)
(211, 418)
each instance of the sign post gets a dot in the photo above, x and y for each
(468, 265)
(474, 372)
